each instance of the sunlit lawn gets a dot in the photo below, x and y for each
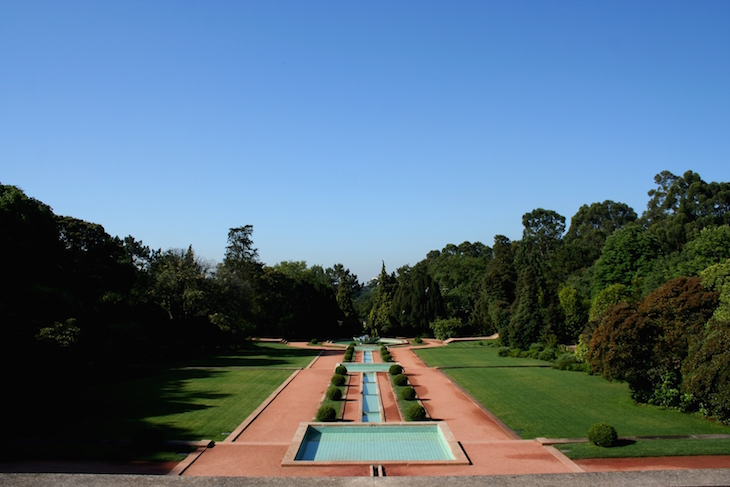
(648, 448)
(544, 402)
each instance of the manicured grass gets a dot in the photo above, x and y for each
(188, 404)
(404, 405)
(540, 402)
(338, 405)
(647, 448)
(470, 354)
(259, 354)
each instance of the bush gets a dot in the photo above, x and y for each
(515, 352)
(417, 340)
(314, 341)
(351, 345)
(415, 413)
(395, 369)
(386, 357)
(338, 380)
(334, 393)
(530, 354)
(408, 393)
(547, 355)
(446, 328)
(565, 362)
(326, 413)
(602, 434)
(503, 352)
(341, 369)
(537, 346)
(400, 380)
(348, 356)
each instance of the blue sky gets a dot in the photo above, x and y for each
(355, 132)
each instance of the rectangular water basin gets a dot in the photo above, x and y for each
(364, 443)
(360, 367)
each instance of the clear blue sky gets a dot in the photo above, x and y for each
(355, 132)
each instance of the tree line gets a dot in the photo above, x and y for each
(645, 299)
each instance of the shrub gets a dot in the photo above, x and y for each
(395, 369)
(383, 348)
(348, 356)
(351, 345)
(565, 362)
(537, 346)
(314, 341)
(408, 393)
(417, 340)
(446, 328)
(334, 393)
(341, 369)
(547, 355)
(386, 357)
(503, 352)
(515, 352)
(326, 413)
(602, 434)
(415, 413)
(400, 380)
(338, 380)
(530, 354)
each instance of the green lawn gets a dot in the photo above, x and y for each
(544, 402)
(648, 448)
(260, 354)
(470, 354)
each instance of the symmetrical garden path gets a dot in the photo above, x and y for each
(492, 449)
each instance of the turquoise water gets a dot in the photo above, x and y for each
(370, 400)
(374, 443)
(367, 347)
(360, 367)
(367, 357)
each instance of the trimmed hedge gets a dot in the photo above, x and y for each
(602, 434)
(341, 369)
(338, 380)
(408, 393)
(326, 413)
(334, 393)
(416, 413)
(395, 369)
(417, 340)
(400, 380)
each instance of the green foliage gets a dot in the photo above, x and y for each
(314, 341)
(503, 352)
(575, 309)
(341, 369)
(400, 380)
(646, 345)
(547, 355)
(446, 328)
(408, 393)
(607, 297)
(417, 340)
(565, 362)
(334, 393)
(395, 369)
(706, 372)
(338, 380)
(326, 414)
(602, 434)
(417, 301)
(717, 278)
(515, 352)
(415, 412)
(629, 253)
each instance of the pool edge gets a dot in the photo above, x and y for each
(460, 457)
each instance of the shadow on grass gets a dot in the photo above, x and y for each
(259, 355)
(619, 443)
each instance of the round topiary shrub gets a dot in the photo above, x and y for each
(314, 341)
(602, 434)
(415, 413)
(408, 393)
(338, 380)
(417, 340)
(341, 369)
(386, 357)
(395, 369)
(400, 380)
(348, 356)
(334, 394)
(326, 413)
